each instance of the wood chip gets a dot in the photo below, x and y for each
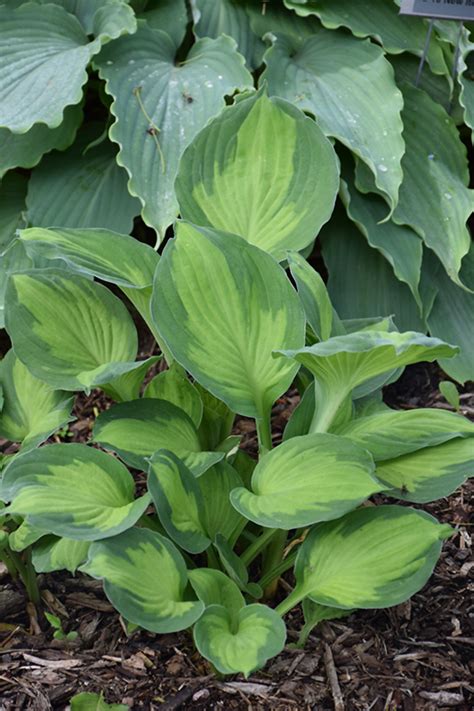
(333, 680)
(442, 698)
(52, 663)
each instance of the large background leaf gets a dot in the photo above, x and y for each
(159, 108)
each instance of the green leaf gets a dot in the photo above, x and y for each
(434, 198)
(450, 393)
(12, 207)
(173, 385)
(317, 477)
(52, 553)
(171, 16)
(393, 433)
(381, 21)
(226, 337)
(344, 362)
(72, 490)
(24, 150)
(69, 331)
(371, 558)
(312, 291)
(400, 245)
(178, 501)
(230, 18)
(24, 536)
(337, 77)
(242, 642)
(144, 578)
(110, 256)
(87, 701)
(12, 260)
(159, 108)
(32, 410)
(44, 54)
(361, 282)
(81, 189)
(452, 310)
(214, 588)
(430, 473)
(437, 86)
(235, 568)
(217, 420)
(227, 176)
(137, 429)
(218, 515)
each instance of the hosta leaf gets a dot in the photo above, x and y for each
(225, 337)
(72, 490)
(69, 331)
(77, 189)
(452, 311)
(229, 17)
(44, 54)
(144, 578)
(400, 245)
(434, 198)
(12, 207)
(177, 498)
(371, 558)
(159, 108)
(173, 385)
(137, 429)
(242, 642)
(128, 385)
(339, 78)
(262, 170)
(314, 614)
(23, 536)
(110, 256)
(361, 282)
(13, 259)
(429, 473)
(380, 20)
(87, 701)
(235, 568)
(218, 515)
(24, 150)
(437, 86)
(344, 362)
(32, 410)
(171, 16)
(393, 433)
(217, 419)
(276, 19)
(214, 588)
(312, 291)
(305, 480)
(54, 553)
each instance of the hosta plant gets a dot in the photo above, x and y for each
(201, 541)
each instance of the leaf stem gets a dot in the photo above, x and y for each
(264, 434)
(281, 568)
(253, 550)
(273, 557)
(293, 599)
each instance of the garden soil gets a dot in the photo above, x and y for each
(418, 656)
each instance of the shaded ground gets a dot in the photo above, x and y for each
(417, 656)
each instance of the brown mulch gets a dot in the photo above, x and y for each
(418, 656)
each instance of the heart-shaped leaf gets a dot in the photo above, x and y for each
(69, 331)
(242, 642)
(144, 578)
(32, 410)
(305, 480)
(226, 337)
(177, 498)
(370, 558)
(173, 385)
(139, 428)
(342, 363)
(323, 74)
(214, 588)
(393, 433)
(160, 106)
(44, 53)
(429, 473)
(227, 176)
(72, 490)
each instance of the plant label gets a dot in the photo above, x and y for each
(444, 9)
